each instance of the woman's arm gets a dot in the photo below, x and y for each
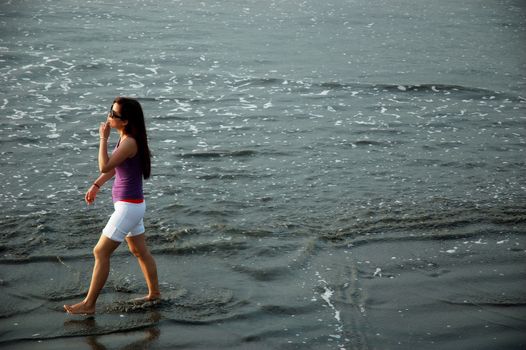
(126, 149)
(103, 178)
(104, 133)
(97, 184)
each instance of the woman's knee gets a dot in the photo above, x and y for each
(104, 248)
(134, 251)
(100, 253)
(139, 253)
(137, 246)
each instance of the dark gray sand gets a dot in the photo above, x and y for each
(396, 293)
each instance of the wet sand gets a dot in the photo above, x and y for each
(362, 293)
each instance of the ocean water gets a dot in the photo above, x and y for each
(326, 175)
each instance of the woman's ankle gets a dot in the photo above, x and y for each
(154, 295)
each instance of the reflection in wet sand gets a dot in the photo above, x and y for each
(95, 333)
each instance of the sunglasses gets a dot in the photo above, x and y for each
(114, 115)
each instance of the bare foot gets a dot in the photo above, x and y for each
(148, 298)
(80, 309)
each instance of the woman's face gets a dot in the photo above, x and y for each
(113, 117)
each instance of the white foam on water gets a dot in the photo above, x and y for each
(28, 145)
(65, 84)
(18, 115)
(452, 251)
(364, 122)
(193, 129)
(327, 296)
(249, 106)
(137, 85)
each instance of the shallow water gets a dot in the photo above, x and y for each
(338, 175)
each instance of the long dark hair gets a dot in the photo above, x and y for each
(131, 111)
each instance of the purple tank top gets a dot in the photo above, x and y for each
(128, 179)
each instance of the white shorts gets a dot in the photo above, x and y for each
(126, 221)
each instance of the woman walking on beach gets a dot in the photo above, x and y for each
(129, 163)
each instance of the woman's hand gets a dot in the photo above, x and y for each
(91, 194)
(104, 130)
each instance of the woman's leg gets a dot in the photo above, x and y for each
(101, 270)
(137, 245)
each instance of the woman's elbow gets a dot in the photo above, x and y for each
(105, 169)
